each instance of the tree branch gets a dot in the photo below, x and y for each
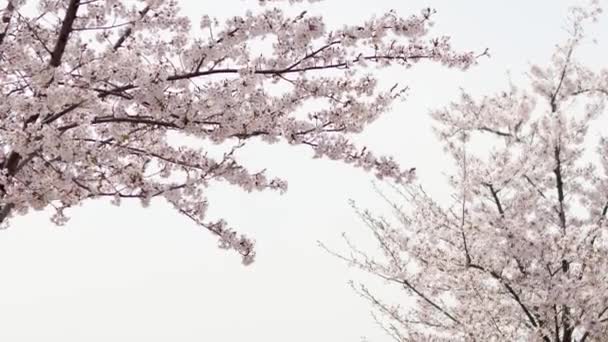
(49, 119)
(129, 30)
(560, 188)
(511, 291)
(145, 121)
(269, 72)
(408, 285)
(10, 165)
(553, 99)
(497, 132)
(6, 19)
(64, 33)
(496, 199)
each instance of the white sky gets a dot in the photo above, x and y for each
(134, 274)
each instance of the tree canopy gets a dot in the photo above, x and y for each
(92, 90)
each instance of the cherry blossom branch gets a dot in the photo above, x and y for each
(56, 55)
(542, 276)
(312, 54)
(409, 286)
(36, 35)
(497, 132)
(363, 291)
(266, 72)
(70, 128)
(559, 185)
(496, 200)
(64, 33)
(127, 33)
(552, 100)
(10, 165)
(7, 15)
(512, 292)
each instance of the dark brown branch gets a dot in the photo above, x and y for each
(58, 115)
(553, 99)
(534, 186)
(139, 151)
(98, 28)
(599, 316)
(249, 135)
(568, 328)
(602, 312)
(490, 130)
(604, 212)
(556, 322)
(118, 92)
(560, 188)
(462, 222)
(500, 209)
(10, 165)
(268, 72)
(590, 90)
(14, 158)
(496, 199)
(312, 54)
(37, 37)
(129, 30)
(408, 285)
(6, 19)
(511, 291)
(289, 69)
(566, 324)
(64, 33)
(134, 120)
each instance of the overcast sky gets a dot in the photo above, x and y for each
(134, 274)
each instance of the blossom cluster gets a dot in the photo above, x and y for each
(91, 90)
(521, 254)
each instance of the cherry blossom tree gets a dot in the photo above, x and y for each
(93, 90)
(520, 253)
